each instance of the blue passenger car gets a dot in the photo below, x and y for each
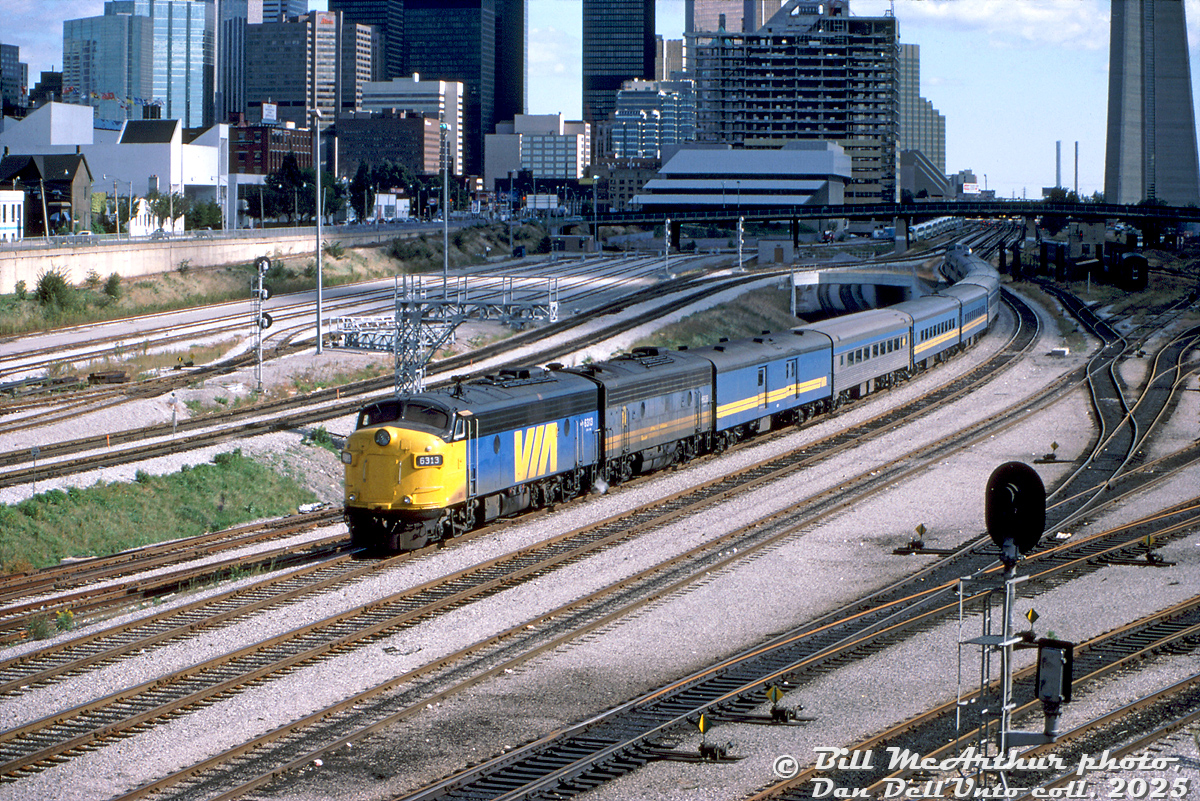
(784, 376)
(973, 303)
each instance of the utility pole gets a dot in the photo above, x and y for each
(316, 113)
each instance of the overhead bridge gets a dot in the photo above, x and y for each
(828, 292)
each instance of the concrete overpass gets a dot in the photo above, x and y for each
(904, 213)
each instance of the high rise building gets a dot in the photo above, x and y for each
(462, 40)
(741, 16)
(439, 100)
(482, 44)
(1151, 145)
(387, 16)
(182, 39)
(283, 10)
(512, 58)
(316, 62)
(108, 64)
(668, 58)
(232, 18)
(815, 74)
(14, 77)
(618, 46)
(921, 126)
(651, 115)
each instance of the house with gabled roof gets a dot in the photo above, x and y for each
(58, 191)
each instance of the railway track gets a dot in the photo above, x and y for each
(20, 621)
(63, 458)
(619, 530)
(940, 734)
(558, 765)
(360, 734)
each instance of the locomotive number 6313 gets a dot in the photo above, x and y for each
(429, 460)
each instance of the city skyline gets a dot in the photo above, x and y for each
(1002, 129)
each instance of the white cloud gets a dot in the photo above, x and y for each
(1010, 24)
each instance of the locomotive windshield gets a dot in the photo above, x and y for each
(416, 413)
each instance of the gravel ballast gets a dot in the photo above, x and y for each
(728, 612)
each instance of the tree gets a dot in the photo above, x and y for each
(167, 207)
(294, 188)
(206, 214)
(360, 191)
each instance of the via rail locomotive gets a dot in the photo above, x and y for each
(426, 467)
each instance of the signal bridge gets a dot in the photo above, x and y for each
(423, 324)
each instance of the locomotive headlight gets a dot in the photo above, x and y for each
(382, 437)
(347, 457)
(406, 500)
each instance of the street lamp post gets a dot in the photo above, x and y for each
(317, 164)
(595, 213)
(445, 214)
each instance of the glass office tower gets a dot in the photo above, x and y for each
(618, 46)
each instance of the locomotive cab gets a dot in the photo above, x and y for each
(404, 467)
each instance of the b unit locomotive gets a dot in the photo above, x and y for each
(426, 467)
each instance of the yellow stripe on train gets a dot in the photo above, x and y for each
(535, 452)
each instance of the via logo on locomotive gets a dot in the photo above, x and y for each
(535, 451)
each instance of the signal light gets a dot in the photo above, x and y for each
(1015, 510)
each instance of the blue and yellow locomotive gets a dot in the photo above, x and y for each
(426, 467)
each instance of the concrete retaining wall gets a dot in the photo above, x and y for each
(142, 257)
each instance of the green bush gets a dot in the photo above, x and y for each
(112, 287)
(53, 290)
(21, 290)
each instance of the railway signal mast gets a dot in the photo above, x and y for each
(262, 320)
(1016, 517)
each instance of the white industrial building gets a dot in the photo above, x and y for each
(12, 215)
(142, 156)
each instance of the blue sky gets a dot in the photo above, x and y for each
(1010, 76)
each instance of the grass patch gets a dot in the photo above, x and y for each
(107, 518)
(746, 316)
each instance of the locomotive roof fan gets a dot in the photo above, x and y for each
(1015, 510)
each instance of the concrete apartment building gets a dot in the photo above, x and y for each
(812, 72)
(439, 100)
(545, 145)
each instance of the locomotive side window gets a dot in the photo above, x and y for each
(566, 426)
(496, 444)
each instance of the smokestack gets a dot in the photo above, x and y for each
(1058, 163)
(1076, 168)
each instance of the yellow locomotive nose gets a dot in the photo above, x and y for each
(390, 469)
